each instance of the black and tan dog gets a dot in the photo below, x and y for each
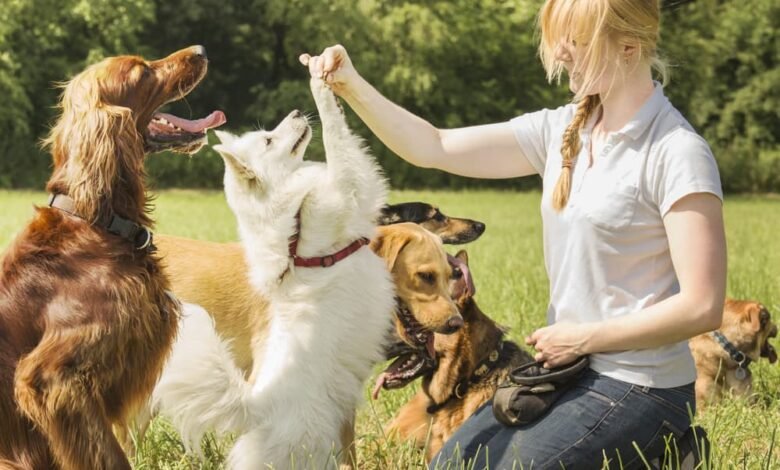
(470, 364)
(452, 230)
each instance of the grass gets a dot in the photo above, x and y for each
(512, 287)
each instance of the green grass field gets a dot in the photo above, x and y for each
(512, 288)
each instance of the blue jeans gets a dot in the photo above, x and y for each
(598, 419)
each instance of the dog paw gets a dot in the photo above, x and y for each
(324, 97)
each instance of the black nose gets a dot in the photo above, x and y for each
(199, 51)
(453, 324)
(479, 227)
(297, 114)
(763, 317)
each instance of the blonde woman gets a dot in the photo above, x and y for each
(634, 243)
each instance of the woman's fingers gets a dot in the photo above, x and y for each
(304, 59)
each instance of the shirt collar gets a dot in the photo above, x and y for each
(641, 120)
(646, 114)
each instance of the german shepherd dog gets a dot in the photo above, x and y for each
(452, 230)
(469, 365)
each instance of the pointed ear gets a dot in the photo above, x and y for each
(388, 244)
(225, 137)
(235, 162)
(463, 256)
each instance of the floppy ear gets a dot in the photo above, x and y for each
(93, 144)
(235, 162)
(388, 245)
(463, 256)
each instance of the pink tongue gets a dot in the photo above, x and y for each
(215, 119)
(380, 381)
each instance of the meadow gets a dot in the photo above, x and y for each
(511, 286)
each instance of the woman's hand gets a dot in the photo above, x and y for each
(333, 66)
(560, 343)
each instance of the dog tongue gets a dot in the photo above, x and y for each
(380, 382)
(215, 119)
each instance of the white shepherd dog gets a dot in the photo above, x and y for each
(327, 324)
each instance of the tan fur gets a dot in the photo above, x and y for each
(715, 370)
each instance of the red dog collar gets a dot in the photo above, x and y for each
(320, 261)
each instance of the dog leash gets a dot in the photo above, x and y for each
(319, 261)
(140, 236)
(736, 355)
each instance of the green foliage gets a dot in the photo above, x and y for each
(456, 63)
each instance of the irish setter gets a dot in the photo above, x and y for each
(85, 320)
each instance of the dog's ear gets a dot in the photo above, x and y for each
(388, 245)
(225, 137)
(235, 162)
(463, 256)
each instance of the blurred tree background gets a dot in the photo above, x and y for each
(457, 62)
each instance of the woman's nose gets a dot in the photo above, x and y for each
(562, 53)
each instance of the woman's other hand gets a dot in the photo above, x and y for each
(560, 343)
(333, 65)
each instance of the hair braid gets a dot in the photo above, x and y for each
(570, 148)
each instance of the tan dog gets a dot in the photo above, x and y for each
(747, 325)
(471, 364)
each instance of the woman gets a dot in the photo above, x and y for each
(633, 234)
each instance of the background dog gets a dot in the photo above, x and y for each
(747, 325)
(452, 230)
(471, 363)
(85, 321)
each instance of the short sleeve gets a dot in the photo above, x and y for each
(534, 131)
(685, 165)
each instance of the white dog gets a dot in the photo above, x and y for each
(327, 323)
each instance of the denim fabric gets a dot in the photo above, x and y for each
(599, 419)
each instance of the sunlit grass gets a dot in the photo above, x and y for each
(512, 287)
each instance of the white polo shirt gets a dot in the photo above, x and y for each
(607, 253)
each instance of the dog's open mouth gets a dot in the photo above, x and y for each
(169, 132)
(767, 350)
(415, 354)
(304, 137)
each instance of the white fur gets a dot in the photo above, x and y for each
(327, 324)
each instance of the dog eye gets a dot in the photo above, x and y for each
(429, 278)
(457, 273)
(439, 217)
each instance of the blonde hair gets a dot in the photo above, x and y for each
(601, 28)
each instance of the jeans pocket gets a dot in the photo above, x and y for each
(679, 399)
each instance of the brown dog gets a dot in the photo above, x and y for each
(747, 325)
(85, 321)
(471, 364)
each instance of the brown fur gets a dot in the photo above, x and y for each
(458, 355)
(85, 322)
(715, 370)
(215, 275)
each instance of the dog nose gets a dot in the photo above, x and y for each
(199, 51)
(297, 114)
(453, 324)
(763, 317)
(479, 227)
